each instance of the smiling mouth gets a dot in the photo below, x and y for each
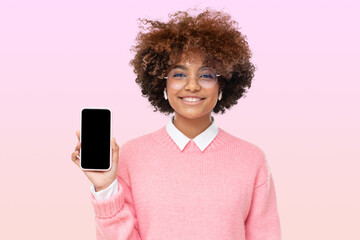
(195, 98)
(194, 101)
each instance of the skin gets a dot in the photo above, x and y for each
(191, 120)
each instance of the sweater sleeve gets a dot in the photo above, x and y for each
(263, 220)
(115, 217)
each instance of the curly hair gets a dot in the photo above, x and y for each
(223, 46)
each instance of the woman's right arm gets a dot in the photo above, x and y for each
(115, 217)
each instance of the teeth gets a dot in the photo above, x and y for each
(192, 99)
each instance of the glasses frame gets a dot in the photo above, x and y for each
(197, 77)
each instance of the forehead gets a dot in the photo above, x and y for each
(189, 60)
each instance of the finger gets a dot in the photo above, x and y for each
(115, 151)
(75, 156)
(78, 134)
(78, 145)
(75, 159)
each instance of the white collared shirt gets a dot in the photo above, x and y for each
(202, 141)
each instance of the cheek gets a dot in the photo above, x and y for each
(214, 99)
(172, 86)
(172, 96)
(213, 102)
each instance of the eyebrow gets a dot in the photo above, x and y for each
(185, 68)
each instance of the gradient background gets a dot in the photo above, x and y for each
(57, 57)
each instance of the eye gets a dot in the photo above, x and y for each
(178, 75)
(207, 76)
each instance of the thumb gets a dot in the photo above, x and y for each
(115, 152)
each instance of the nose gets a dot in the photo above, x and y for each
(192, 83)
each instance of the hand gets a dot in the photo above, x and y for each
(103, 179)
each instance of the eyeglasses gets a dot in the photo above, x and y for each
(178, 78)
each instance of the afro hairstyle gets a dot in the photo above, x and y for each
(161, 44)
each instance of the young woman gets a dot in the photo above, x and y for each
(190, 179)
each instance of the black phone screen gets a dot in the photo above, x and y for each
(95, 139)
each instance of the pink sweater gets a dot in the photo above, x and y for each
(225, 192)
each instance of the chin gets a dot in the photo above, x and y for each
(191, 114)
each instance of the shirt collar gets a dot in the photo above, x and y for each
(202, 140)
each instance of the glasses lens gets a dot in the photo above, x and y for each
(206, 77)
(177, 79)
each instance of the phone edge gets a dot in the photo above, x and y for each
(111, 133)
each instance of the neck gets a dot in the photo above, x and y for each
(192, 127)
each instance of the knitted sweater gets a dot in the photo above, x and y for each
(224, 192)
(202, 140)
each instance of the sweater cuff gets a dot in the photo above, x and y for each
(109, 207)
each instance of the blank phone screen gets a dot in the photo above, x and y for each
(95, 139)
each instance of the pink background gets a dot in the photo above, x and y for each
(57, 57)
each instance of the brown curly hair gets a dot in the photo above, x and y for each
(212, 32)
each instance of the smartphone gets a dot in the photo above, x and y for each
(95, 138)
